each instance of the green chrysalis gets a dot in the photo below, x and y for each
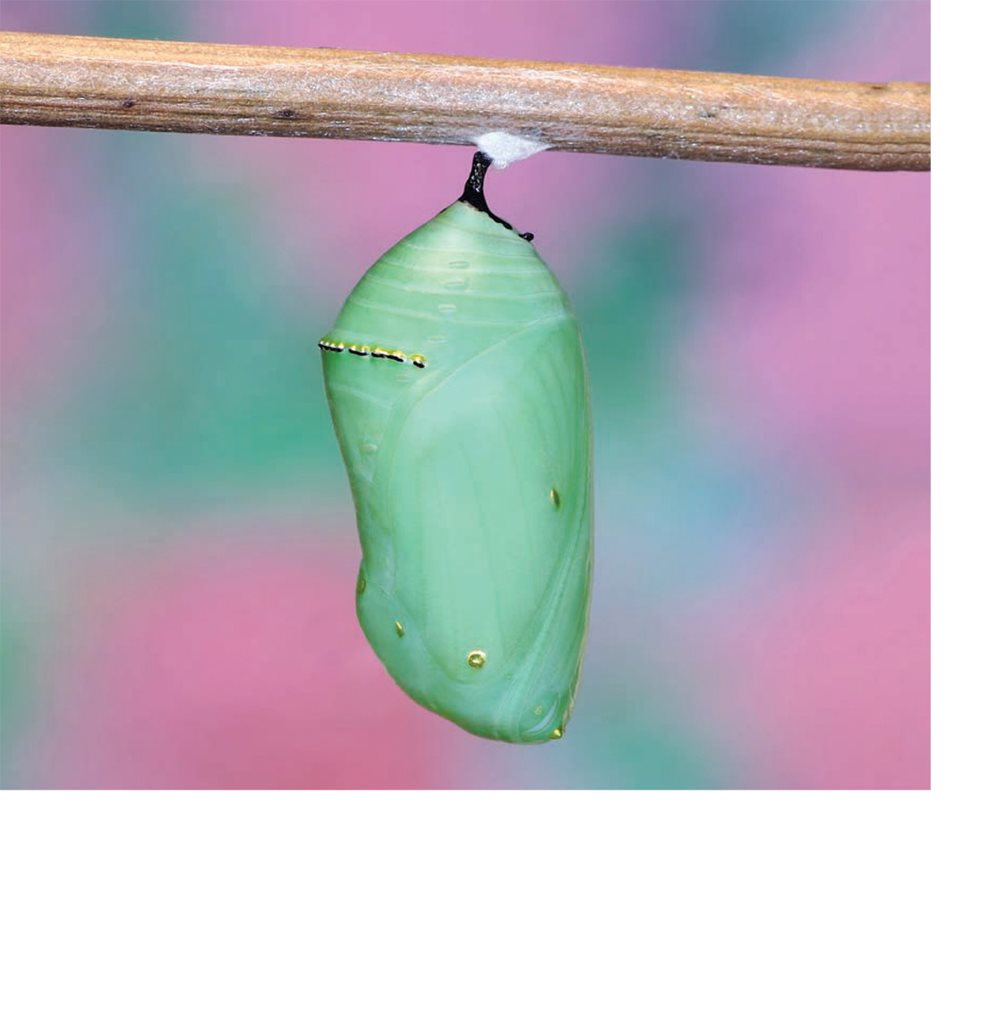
(456, 379)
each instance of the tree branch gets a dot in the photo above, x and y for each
(253, 90)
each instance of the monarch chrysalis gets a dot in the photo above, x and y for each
(456, 380)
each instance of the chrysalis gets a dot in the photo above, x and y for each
(456, 380)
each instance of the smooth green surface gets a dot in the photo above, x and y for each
(453, 468)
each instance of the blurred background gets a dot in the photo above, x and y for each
(179, 548)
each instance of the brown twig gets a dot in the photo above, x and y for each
(253, 90)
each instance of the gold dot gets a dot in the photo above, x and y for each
(400, 631)
(554, 497)
(477, 659)
(362, 583)
(556, 733)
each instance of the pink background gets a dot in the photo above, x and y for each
(179, 546)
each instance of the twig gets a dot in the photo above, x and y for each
(253, 90)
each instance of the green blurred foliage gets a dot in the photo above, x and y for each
(753, 37)
(210, 388)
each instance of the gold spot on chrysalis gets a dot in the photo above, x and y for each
(477, 659)
(400, 630)
(362, 582)
(556, 733)
(555, 497)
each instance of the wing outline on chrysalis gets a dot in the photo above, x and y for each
(458, 389)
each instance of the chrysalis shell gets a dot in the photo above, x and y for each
(456, 379)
